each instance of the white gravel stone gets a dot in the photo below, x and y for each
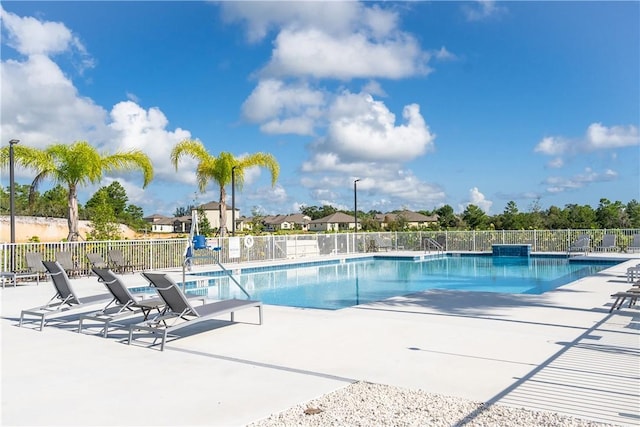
(367, 404)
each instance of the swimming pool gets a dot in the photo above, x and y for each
(341, 284)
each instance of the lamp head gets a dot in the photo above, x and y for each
(14, 141)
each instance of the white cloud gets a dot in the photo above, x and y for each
(597, 137)
(600, 137)
(374, 88)
(29, 36)
(313, 53)
(40, 104)
(478, 199)
(270, 196)
(444, 55)
(380, 185)
(339, 40)
(358, 135)
(283, 108)
(551, 146)
(137, 128)
(483, 9)
(364, 129)
(332, 17)
(556, 184)
(556, 163)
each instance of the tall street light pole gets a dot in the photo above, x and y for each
(12, 194)
(233, 200)
(355, 202)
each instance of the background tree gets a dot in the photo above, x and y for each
(399, 223)
(53, 203)
(315, 212)
(446, 217)
(75, 165)
(257, 215)
(219, 169)
(510, 218)
(612, 215)
(369, 223)
(475, 217)
(21, 200)
(134, 217)
(104, 225)
(183, 210)
(556, 219)
(534, 219)
(581, 216)
(633, 211)
(204, 226)
(116, 197)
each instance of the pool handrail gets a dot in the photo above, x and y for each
(187, 261)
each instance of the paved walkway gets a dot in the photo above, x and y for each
(561, 351)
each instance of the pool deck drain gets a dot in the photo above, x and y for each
(561, 351)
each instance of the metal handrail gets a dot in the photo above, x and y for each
(187, 260)
(433, 242)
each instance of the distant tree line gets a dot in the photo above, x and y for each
(606, 215)
(109, 206)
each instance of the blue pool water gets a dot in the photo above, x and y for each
(343, 284)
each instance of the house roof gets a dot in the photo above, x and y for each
(280, 219)
(165, 221)
(408, 216)
(213, 206)
(185, 218)
(155, 217)
(337, 217)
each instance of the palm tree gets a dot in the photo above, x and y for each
(220, 169)
(75, 165)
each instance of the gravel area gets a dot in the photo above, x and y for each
(367, 404)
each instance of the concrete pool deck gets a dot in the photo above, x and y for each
(561, 351)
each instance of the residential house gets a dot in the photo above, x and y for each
(411, 219)
(160, 223)
(338, 221)
(182, 224)
(286, 222)
(212, 212)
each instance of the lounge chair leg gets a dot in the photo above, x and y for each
(80, 325)
(164, 338)
(130, 336)
(260, 313)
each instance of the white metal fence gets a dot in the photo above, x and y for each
(170, 253)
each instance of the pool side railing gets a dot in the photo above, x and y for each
(214, 258)
(161, 254)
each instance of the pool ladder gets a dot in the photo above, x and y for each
(428, 243)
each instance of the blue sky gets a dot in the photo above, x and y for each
(427, 103)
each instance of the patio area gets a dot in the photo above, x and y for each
(561, 351)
